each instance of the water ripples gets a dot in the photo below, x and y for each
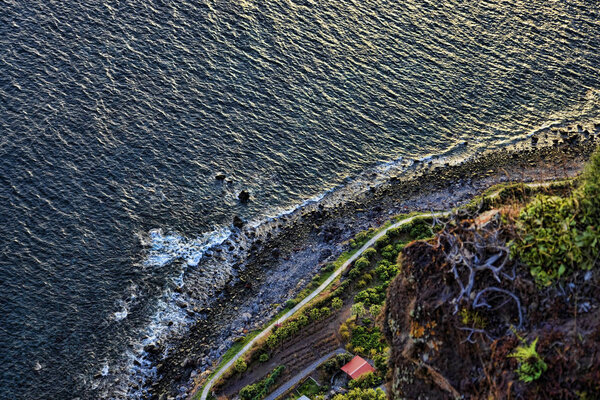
(115, 118)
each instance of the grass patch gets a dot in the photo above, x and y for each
(309, 388)
(560, 235)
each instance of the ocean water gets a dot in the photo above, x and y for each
(116, 116)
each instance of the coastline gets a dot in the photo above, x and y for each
(286, 251)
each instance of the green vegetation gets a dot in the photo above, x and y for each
(260, 390)
(370, 296)
(558, 235)
(309, 388)
(337, 303)
(264, 357)
(240, 365)
(362, 394)
(366, 381)
(531, 365)
(381, 363)
(363, 339)
(333, 365)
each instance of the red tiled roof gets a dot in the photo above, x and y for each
(357, 367)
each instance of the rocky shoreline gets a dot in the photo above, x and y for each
(272, 262)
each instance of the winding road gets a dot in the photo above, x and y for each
(333, 276)
(311, 296)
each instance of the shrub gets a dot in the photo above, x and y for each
(264, 357)
(365, 381)
(531, 365)
(354, 273)
(240, 365)
(382, 241)
(361, 284)
(369, 296)
(381, 363)
(328, 268)
(335, 363)
(259, 390)
(420, 229)
(374, 310)
(291, 303)
(370, 253)
(358, 309)
(336, 303)
(362, 263)
(367, 339)
(558, 235)
(344, 331)
(386, 271)
(362, 394)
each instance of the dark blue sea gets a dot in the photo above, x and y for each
(115, 117)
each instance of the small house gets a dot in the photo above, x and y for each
(357, 367)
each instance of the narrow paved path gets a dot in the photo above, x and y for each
(302, 374)
(333, 276)
(311, 296)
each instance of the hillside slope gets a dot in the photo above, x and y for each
(503, 302)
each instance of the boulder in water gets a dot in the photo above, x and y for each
(244, 196)
(238, 222)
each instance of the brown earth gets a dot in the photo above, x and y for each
(310, 344)
(446, 346)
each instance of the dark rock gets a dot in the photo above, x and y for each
(534, 140)
(238, 222)
(244, 196)
(220, 176)
(276, 252)
(152, 349)
(325, 254)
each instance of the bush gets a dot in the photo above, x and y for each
(386, 271)
(382, 241)
(259, 390)
(369, 296)
(328, 268)
(336, 303)
(335, 363)
(264, 357)
(559, 235)
(367, 339)
(291, 303)
(420, 229)
(358, 309)
(362, 263)
(374, 310)
(365, 381)
(362, 394)
(370, 253)
(381, 363)
(354, 273)
(344, 331)
(240, 365)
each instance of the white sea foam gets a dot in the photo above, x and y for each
(166, 248)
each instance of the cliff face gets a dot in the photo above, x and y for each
(465, 320)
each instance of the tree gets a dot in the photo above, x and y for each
(374, 310)
(336, 303)
(362, 263)
(240, 365)
(264, 357)
(362, 394)
(370, 253)
(358, 309)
